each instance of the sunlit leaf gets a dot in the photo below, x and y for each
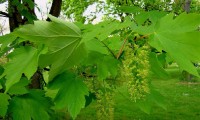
(62, 39)
(180, 39)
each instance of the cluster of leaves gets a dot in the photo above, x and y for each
(74, 10)
(24, 7)
(195, 6)
(147, 5)
(46, 51)
(2, 1)
(65, 49)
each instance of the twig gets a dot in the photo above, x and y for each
(121, 49)
(144, 36)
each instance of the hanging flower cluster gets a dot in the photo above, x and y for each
(135, 70)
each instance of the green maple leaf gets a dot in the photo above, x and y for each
(103, 29)
(179, 38)
(20, 87)
(71, 92)
(156, 66)
(62, 39)
(106, 65)
(6, 40)
(63, 59)
(96, 45)
(153, 16)
(55, 35)
(31, 106)
(4, 103)
(23, 60)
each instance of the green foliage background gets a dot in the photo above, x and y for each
(74, 53)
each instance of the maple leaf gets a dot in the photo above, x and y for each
(179, 38)
(71, 92)
(24, 60)
(4, 103)
(31, 106)
(62, 39)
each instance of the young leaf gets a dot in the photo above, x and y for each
(4, 103)
(71, 92)
(23, 60)
(180, 39)
(31, 106)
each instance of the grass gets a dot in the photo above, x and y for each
(183, 102)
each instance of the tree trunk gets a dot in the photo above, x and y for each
(187, 76)
(32, 13)
(15, 18)
(55, 8)
(36, 82)
(187, 5)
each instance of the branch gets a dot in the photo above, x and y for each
(121, 49)
(4, 14)
(55, 8)
(144, 36)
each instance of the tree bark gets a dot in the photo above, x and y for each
(186, 75)
(36, 82)
(187, 5)
(31, 11)
(15, 18)
(55, 8)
